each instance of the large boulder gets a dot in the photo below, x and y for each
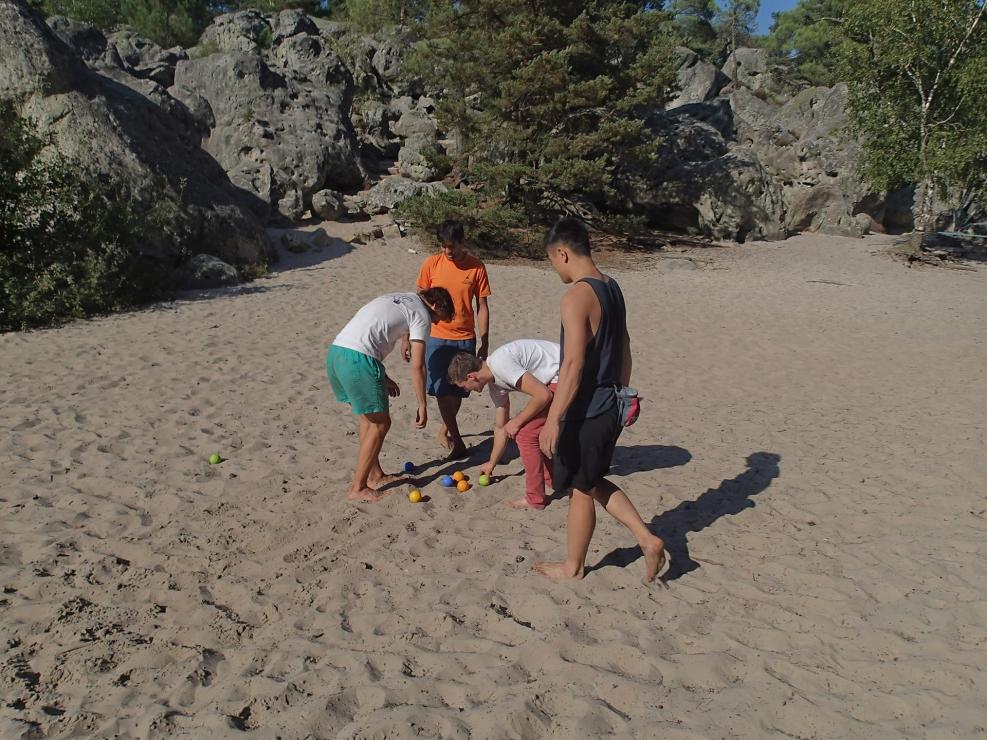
(206, 271)
(280, 102)
(697, 81)
(391, 191)
(123, 137)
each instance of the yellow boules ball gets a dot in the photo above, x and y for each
(415, 496)
(458, 475)
(463, 486)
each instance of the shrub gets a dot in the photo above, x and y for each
(68, 247)
(490, 229)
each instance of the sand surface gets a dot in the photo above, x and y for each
(812, 448)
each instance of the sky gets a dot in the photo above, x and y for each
(767, 8)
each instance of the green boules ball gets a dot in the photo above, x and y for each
(484, 480)
(215, 459)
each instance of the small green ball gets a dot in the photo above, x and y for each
(484, 480)
(215, 459)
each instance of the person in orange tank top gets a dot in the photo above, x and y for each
(465, 277)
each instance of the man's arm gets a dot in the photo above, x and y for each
(501, 415)
(576, 307)
(541, 396)
(418, 381)
(483, 327)
(625, 368)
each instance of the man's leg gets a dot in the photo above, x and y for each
(535, 464)
(449, 409)
(579, 532)
(373, 429)
(619, 506)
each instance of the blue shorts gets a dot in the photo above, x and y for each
(438, 355)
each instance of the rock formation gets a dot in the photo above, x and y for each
(126, 138)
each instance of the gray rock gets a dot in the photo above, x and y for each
(87, 41)
(245, 32)
(824, 209)
(328, 204)
(120, 135)
(698, 82)
(415, 123)
(295, 242)
(281, 123)
(145, 59)
(391, 191)
(416, 158)
(205, 271)
(291, 22)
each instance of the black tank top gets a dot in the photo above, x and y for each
(604, 354)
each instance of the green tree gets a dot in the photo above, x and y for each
(68, 247)
(548, 98)
(165, 22)
(737, 21)
(695, 21)
(374, 15)
(810, 35)
(917, 78)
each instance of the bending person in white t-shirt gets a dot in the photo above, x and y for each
(357, 375)
(532, 367)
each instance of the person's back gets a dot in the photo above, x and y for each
(604, 361)
(379, 325)
(510, 361)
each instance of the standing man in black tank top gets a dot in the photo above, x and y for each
(582, 427)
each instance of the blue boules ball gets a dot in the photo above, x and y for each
(447, 481)
(409, 467)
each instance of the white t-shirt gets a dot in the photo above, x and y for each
(378, 326)
(514, 359)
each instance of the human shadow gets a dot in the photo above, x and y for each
(642, 458)
(432, 470)
(729, 498)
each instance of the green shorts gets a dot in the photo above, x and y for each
(357, 379)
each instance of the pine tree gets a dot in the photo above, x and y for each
(549, 97)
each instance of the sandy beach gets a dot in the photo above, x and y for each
(812, 449)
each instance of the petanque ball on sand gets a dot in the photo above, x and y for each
(447, 481)
(215, 459)
(415, 496)
(409, 467)
(458, 476)
(463, 486)
(483, 480)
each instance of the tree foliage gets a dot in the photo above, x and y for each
(68, 247)
(695, 21)
(165, 22)
(376, 15)
(548, 98)
(917, 92)
(810, 36)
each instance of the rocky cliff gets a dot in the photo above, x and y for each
(274, 116)
(121, 133)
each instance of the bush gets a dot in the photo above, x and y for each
(70, 247)
(490, 229)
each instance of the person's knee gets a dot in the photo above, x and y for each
(381, 421)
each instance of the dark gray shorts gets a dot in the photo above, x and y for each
(585, 451)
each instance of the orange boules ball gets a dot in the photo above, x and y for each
(463, 486)
(458, 475)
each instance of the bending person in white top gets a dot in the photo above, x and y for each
(530, 366)
(358, 377)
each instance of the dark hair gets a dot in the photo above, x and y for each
(570, 232)
(450, 232)
(441, 302)
(461, 365)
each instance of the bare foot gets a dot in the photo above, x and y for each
(385, 480)
(522, 503)
(367, 494)
(444, 439)
(559, 571)
(654, 558)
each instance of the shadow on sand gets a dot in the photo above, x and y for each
(729, 498)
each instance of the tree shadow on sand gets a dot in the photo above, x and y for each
(729, 498)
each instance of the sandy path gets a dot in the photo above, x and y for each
(813, 452)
